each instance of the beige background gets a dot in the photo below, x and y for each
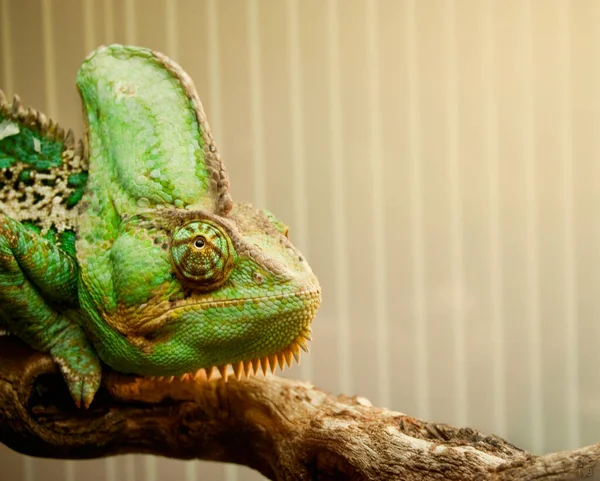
(438, 163)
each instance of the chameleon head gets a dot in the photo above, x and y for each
(175, 276)
(194, 290)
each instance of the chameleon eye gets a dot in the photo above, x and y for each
(202, 254)
(199, 243)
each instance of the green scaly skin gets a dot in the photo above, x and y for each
(167, 274)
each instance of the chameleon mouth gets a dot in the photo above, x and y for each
(250, 367)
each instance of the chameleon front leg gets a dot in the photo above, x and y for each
(38, 300)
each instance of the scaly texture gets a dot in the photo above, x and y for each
(168, 276)
(42, 172)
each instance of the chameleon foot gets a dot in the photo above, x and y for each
(79, 366)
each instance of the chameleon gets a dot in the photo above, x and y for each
(125, 248)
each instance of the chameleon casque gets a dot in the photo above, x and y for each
(127, 247)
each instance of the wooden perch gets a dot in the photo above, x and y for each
(287, 430)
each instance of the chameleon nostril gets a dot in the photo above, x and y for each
(258, 278)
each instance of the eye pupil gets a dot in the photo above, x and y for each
(199, 243)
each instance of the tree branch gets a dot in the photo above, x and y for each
(285, 429)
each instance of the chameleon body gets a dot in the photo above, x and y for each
(127, 247)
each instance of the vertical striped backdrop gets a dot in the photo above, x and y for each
(438, 162)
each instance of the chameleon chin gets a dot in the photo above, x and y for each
(127, 247)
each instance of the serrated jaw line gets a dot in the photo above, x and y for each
(249, 367)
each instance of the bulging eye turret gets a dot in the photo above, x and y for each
(202, 254)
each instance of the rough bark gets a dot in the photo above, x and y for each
(285, 429)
